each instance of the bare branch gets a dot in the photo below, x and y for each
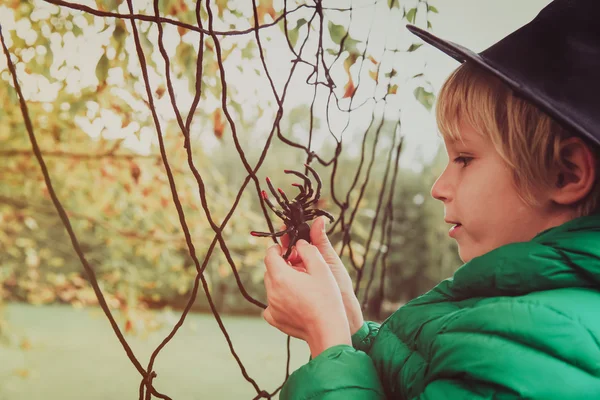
(163, 20)
(68, 154)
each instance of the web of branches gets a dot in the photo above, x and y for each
(320, 76)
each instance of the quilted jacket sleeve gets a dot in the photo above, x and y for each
(454, 389)
(340, 372)
(363, 338)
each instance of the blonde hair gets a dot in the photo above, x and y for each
(527, 139)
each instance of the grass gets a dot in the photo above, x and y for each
(64, 353)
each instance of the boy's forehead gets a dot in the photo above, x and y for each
(466, 137)
(463, 139)
(464, 134)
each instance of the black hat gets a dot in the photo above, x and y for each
(553, 61)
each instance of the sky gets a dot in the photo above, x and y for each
(475, 24)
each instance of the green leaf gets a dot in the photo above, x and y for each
(48, 60)
(391, 74)
(102, 68)
(148, 48)
(393, 4)
(77, 31)
(118, 37)
(424, 97)
(293, 34)
(429, 26)
(411, 15)
(112, 5)
(350, 45)
(248, 51)
(413, 47)
(185, 55)
(119, 32)
(238, 108)
(337, 32)
(432, 9)
(89, 18)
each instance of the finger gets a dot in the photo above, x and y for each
(285, 239)
(318, 237)
(311, 257)
(318, 233)
(294, 258)
(288, 330)
(299, 268)
(267, 282)
(276, 265)
(285, 242)
(268, 317)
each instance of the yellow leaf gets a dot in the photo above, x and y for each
(349, 89)
(219, 124)
(374, 75)
(22, 372)
(349, 62)
(221, 5)
(25, 344)
(265, 7)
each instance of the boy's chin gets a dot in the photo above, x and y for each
(469, 252)
(466, 254)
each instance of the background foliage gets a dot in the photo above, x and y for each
(85, 94)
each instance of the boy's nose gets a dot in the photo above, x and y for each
(440, 189)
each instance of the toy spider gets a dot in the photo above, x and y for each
(295, 213)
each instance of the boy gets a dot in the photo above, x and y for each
(519, 320)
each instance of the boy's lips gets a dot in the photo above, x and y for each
(448, 221)
(455, 228)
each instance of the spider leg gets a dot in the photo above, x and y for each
(276, 211)
(293, 239)
(302, 193)
(319, 184)
(283, 205)
(311, 214)
(268, 234)
(285, 199)
(309, 191)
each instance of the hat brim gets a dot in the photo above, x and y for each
(461, 54)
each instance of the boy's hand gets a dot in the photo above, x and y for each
(306, 305)
(319, 239)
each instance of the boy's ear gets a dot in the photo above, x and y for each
(577, 175)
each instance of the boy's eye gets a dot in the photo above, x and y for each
(463, 160)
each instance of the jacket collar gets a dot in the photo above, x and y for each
(564, 256)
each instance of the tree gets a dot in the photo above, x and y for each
(96, 128)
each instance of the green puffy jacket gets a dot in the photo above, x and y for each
(520, 322)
